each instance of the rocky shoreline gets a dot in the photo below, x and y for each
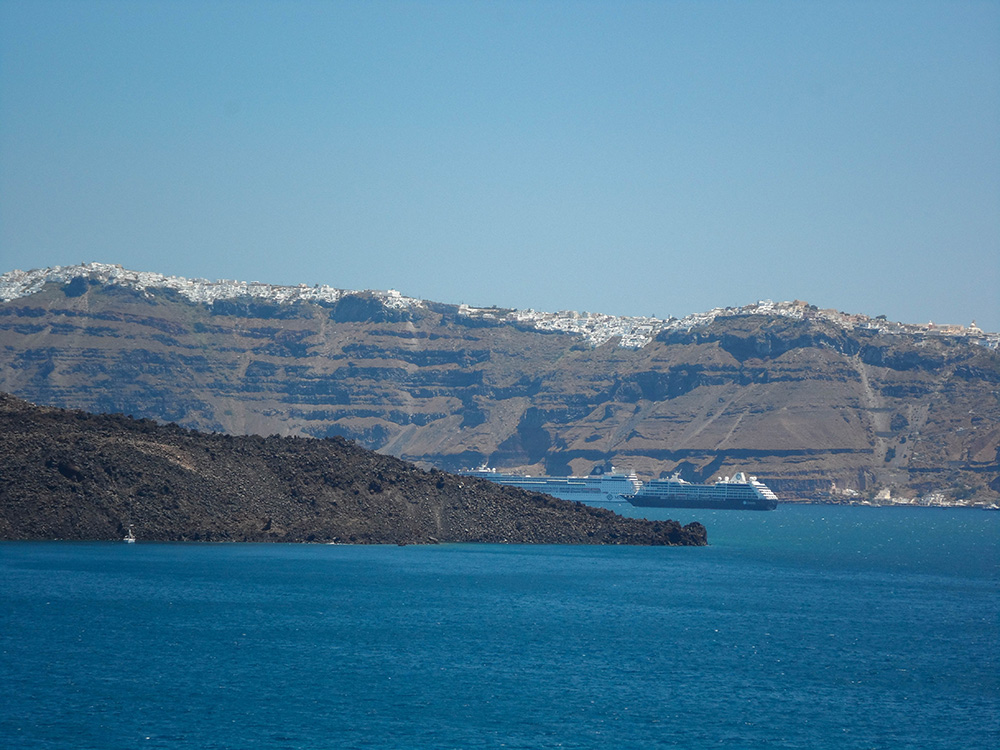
(72, 475)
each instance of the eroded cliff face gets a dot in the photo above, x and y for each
(805, 403)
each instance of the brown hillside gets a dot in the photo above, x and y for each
(804, 403)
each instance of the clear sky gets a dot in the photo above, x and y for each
(638, 158)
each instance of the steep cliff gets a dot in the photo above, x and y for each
(816, 402)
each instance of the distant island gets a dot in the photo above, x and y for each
(822, 405)
(72, 475)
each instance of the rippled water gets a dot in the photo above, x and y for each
(807, 627)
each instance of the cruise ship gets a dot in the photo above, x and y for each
(600, 487)
(737, 493)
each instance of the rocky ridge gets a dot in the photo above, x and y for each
(78, 476)
(631, 332)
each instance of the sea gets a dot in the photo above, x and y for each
(811, 626)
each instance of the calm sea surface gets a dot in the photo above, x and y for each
(806, 627)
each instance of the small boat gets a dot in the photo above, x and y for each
(130, 536)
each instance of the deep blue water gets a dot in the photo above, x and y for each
(806, 627)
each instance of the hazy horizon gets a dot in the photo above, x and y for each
(653, 159)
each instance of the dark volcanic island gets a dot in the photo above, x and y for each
(79, 476)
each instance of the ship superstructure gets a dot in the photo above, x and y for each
(599, 487)
(741, 492)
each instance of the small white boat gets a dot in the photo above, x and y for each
(130, 536)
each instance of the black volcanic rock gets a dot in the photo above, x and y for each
(79, 476)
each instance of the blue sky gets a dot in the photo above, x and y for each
(634, 158)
